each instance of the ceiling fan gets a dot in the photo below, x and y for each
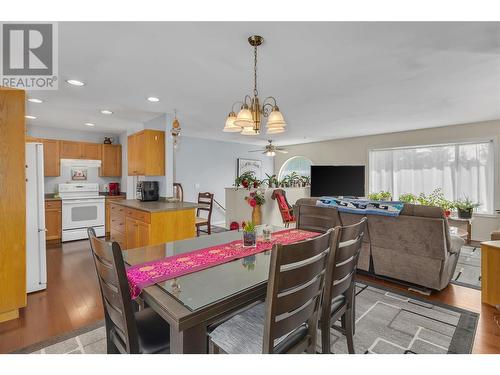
(271, 150)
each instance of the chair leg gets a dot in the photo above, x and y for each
(197, 231)
(110, 346)
(209, 229)
(213, 348)
(325, 337)
(349, 330)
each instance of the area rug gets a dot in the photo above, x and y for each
(389, 322)
(468, 271)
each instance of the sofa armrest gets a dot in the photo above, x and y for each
(456, 244)
(495, 235)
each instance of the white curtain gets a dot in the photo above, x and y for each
(460, 170)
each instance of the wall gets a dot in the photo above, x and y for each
(51, 183)
(207, 165)
(354, 151)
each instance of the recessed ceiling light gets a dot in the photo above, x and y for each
(75, 82)
(30, 117)
(35, 100)
(153, 99)
(89, 124)
(106, 112)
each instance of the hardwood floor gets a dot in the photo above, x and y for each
(72, 301)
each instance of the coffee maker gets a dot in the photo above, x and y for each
(147, 191)
(114, 188)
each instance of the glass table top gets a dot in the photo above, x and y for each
(210, 285)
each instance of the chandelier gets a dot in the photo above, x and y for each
(248, 120)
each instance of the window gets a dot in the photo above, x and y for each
(460, 170)
(298, 164)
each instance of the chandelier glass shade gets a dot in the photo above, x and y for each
(248, 120)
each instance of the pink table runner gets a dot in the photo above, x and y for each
(146, 274)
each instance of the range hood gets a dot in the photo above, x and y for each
(85, 163)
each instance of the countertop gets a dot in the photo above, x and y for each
(156, 206)
(51, 196)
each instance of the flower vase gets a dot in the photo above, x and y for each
(249, 239)
(257, 215)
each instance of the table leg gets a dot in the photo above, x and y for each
(190, 341)
(469, 232)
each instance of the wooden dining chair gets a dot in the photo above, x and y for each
(340, 286)
(178, 192)
(315, 218)
(287, 321)
(206, 202)
(127, 331)
(286, 211)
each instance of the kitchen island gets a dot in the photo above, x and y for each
(136, 224)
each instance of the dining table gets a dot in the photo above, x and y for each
(195, 302)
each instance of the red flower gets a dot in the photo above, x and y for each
(256, 184)
(252, 202)
(244, 183)
(252, 194)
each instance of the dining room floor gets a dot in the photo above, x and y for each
(72, 302)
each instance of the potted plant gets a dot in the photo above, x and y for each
(305, 180)
(256, 200)
(465, 207)
(246, 180)
(271, 181)
(249, 235)
(295, 180)
(408, 198)
(380, 196)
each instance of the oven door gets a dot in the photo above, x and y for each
(82, 213)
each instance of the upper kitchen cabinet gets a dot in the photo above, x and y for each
(146, 153)
(111, 160)
(80, 150)
(71, 150)
(51, 160)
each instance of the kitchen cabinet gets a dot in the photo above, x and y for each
(111, 160)
(80, 150)
(146, 153)
(53, 223)
(12, 203)
(136, 228)
(107, 205)
(137, 233)
(71, 150)
(51, 159)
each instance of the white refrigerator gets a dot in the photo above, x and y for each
(36, 261)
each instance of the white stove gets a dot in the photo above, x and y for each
(82, 207)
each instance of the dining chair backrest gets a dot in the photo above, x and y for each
(178, 192)
(296, 279)
(315, 218)
(206, 200)
(347, 242)
(119, 313)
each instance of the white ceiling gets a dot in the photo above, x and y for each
(331, 79)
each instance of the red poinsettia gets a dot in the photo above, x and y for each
(252, 202)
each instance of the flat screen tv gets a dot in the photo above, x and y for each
(335, 180)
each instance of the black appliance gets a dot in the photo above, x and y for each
(147, 191)
(338, 180)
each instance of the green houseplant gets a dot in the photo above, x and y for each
(271, 181)
(249, 234)
(465, 207)
(408, 198)
(246, 180)
(380, 196)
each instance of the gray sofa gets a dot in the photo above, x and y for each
(415, 247)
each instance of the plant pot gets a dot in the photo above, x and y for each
(249, 239)
(464, 214)
(256, 215)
